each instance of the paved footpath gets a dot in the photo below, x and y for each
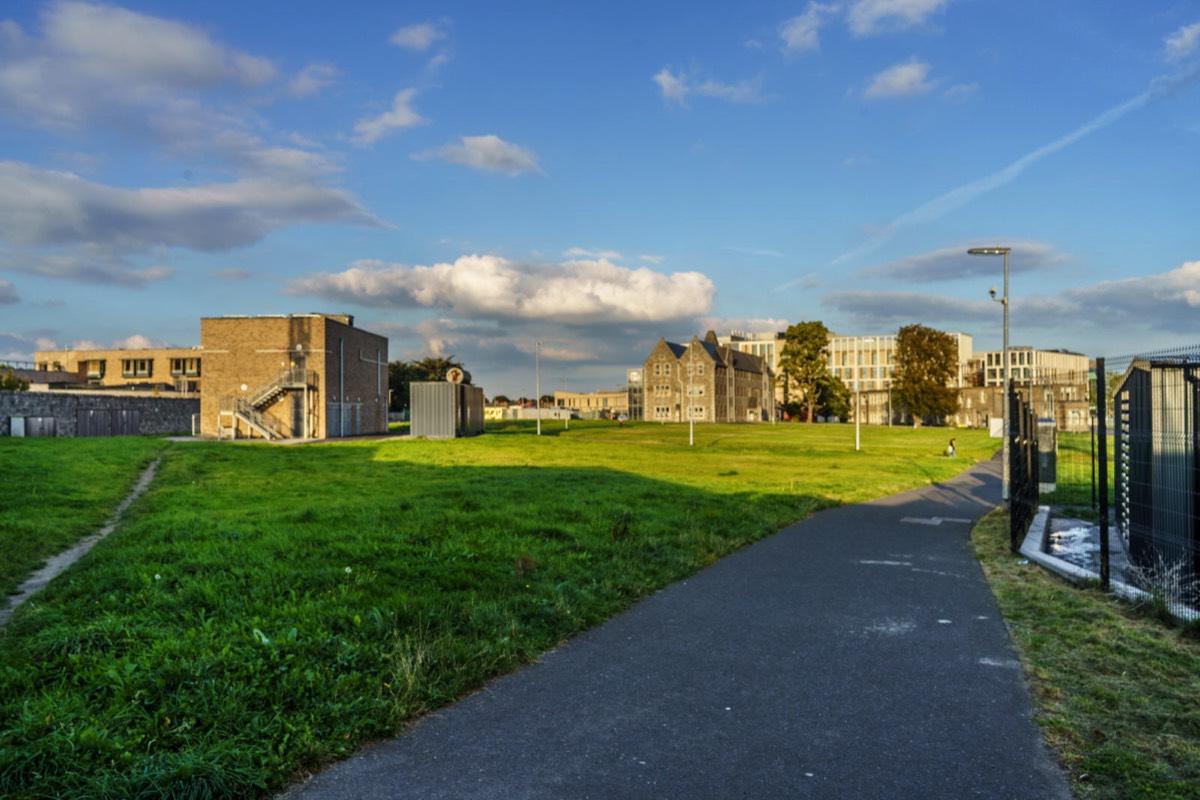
(858, 654)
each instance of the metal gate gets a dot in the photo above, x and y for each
(108, 422)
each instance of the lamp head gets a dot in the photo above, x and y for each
(992, 292)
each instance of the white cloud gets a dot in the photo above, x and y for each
(870, 17)
(723, 325)
(8, 294)
(652, 259)
(677, 89)
(579, 252)
(41, 207)
(1183, 43)
(138, 342)
(490, 287)
(312, 79)
(902, 80)
(800, 33)
(960, 91)
(489, 153)
(418, 37)
(401, 115)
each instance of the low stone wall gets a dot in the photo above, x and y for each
(156, 415)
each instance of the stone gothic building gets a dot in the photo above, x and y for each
(705, 381)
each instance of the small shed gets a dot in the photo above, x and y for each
(446, 410)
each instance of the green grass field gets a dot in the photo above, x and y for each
(264, 610)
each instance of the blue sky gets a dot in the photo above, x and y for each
(471, 178)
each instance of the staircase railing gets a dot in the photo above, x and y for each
(292, 378)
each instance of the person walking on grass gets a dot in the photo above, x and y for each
(950, 450)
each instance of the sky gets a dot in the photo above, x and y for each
(472, 179)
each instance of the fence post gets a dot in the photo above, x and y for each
(1102, 454)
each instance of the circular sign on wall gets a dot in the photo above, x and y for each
(454, 375)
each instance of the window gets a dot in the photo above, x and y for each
(137, 367)
(658, 369)
(700, 369)
(666, 370)
(698, 412)
(95, 368)
(185, 366)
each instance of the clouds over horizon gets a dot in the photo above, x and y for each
(954, 263)
(595, 292)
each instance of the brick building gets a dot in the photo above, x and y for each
(705, 381)
(311, 376)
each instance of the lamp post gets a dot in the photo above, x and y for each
(537, 384)
(1001, 251)
(858, 389)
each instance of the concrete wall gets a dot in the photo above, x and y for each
(159, 415)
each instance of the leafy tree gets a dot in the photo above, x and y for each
(11, 381)
(804, 363)
(501, 400)
(926, 363)
(833, 397)
(402, 373)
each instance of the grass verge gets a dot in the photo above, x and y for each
(1115, 689)
(265, 610)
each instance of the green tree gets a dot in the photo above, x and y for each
(923, 380)
(804, 363)
(402, 373)
(11, 381)
(833, 397)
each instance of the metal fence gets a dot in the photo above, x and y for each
(1138, 456)
(1022, 468)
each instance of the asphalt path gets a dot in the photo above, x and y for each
(858, 654)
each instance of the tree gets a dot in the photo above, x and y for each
(402, 373)
(501, 400)
(804, 363)
(926, 364)
(833, 397)
(11, 381)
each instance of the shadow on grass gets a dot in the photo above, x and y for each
(264, 611)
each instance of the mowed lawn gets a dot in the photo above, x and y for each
(264, 610)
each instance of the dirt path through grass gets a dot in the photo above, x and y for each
(56, 565)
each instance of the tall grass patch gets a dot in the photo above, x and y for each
(265, 610)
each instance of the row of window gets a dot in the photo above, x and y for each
(663, 370)
(144, 368)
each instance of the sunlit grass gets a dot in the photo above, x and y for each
(265, 610)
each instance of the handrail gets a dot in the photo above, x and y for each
(290, 378)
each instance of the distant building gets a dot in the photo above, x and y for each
(768, 346)
(704, 381)
(635, 391)
(1028, 365)
(167, 368)
(594, 404)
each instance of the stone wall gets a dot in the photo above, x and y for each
(158, 415)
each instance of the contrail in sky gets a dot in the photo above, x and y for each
(956, 198)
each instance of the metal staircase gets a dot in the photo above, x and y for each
(249, 410)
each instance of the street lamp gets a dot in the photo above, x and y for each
(858, 388)
(1001, 251)
(537, 383)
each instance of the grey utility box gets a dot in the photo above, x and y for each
(446, 410)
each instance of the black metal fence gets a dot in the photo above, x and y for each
(1140, 457)
(1022, 468)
